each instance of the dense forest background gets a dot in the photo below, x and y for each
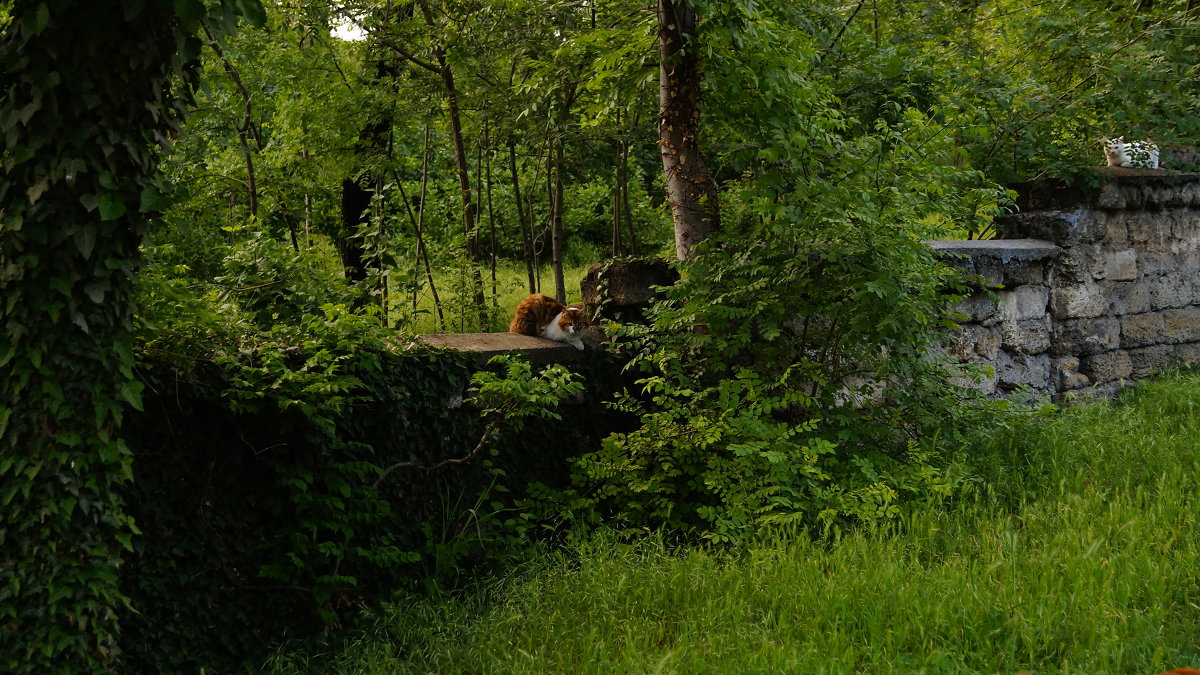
(220, 223)
(457, 155)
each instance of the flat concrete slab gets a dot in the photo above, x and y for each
(486, 345)
(1004, 249)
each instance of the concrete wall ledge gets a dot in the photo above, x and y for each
(1007, 250)
(1005, 262)
(484, 346)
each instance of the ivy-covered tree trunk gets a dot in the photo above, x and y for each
(85, 88)
(690, 189)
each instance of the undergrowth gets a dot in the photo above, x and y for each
(1076, 550)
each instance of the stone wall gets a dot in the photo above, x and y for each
(1093, 288)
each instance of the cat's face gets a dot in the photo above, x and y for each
(1114, 148)
(573, 320)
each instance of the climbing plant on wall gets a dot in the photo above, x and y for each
(87, 89)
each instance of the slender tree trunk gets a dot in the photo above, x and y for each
(556, 217)
(624, 183)
(461, 163)
(418, 222)
(690, 189)
(246, 129)
(492, 226)
(356, 198)
(525, 225)
(623, 167)
(616, 222)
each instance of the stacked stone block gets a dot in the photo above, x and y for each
(1096, 287)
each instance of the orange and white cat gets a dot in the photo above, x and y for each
(543, 316)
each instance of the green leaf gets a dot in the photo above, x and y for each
(85, 241)
(111, 206)
(189, 10)
(37, 20)
(152, 201)
(37, 190)
(253, 10)
(131, 393)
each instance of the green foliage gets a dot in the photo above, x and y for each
(86, 91)
(289, 471)
(519, 393)
(1025, 89)
(1077, 552)
(791, 376)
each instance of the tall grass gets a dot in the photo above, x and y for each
(1077, 551)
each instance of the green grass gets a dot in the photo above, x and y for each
(1077, 552)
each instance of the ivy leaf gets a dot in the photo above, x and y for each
(152, 200)
(111, 206)
(39, 188)
(253, 11)
(37, 20)
(131, 393)
(85, 241)
(189, 10)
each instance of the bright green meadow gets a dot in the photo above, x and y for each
(1077, 550)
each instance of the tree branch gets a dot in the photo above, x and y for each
(409, 57)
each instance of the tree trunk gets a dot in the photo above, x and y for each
(247, 127)
(356, 197)
(525, 225)
(556, 233)
(690, 189)
(85, 89)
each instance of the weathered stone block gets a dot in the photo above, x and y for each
(1185, 225)
(1078, 264)
(1153, 262)
(972, 341)
(624, 287)
(1066, 371)
(981, 377)
(1106, 367)
(1147, 361)
(1148, 229)
(1140, 330)
(1116, 234)
(1171, 196)
(1085, 337)
(1131, 297)
(1026, 337)
(1181, 325)
(1078, 301)
(1016, 370)
(1111, 196)
(1170, 290)
(1191, 194)
(1188, 354)
(1120, 265)
(1067, 227)
(1023, 303)
(1018, 272)
(1008, 262)
(978, 308)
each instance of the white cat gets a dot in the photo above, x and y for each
(1134, 155)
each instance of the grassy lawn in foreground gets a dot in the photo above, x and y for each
(1077, 552)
